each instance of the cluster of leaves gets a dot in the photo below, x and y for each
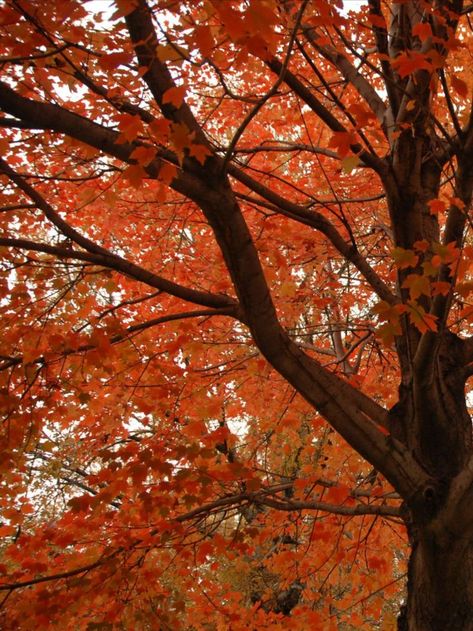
(156, 471)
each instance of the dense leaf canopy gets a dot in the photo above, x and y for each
(230, 230)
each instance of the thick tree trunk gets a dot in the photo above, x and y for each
(440, 586)
(435, 424)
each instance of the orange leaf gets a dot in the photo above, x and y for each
(436, 206)
(411, 61)
(111, 61)
(199, 152)
(167, 172)
(418, 285)
(420, 319)
(337, 494)
(342, 141)
(404, 258)
(175, 96)
(422, 30)
(143, 155)
(160, 128)
(130, 127)
(204, 39)
(440, 287)
(421, 246)
(135, 175)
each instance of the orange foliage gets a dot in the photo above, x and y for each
(165, 176)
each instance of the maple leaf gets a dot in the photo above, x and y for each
(410, 62)
(459, 86)
(422, 30)
(405, 258)
(167, 173)
(342, 141)
(440, 288)
(143, 155)
(350, 163)
(420, 319)
(437, 206)
(113, 60)
(204, 39)
(181, 138)
(448, 253)
(135, 175)
(203, 361)
(337, 494)
(130, 127)
(175, 96)
(159, 129)
(199, 152)
(418, 285)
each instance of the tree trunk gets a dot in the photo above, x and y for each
(435, 425)
(440, 585)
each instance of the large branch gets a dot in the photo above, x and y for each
(319, 222)
(354, 415)
(325, 115)
(122, 265)
(155, 73)
(58, 119)
(128, 333)
(354, 77)
(350, 412)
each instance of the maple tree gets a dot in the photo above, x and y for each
(236, 310)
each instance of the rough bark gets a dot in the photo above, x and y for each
(433, 420)
(440, 585)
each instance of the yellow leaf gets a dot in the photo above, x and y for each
(349, 163)
(404, 258)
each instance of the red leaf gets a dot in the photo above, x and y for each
(143, 155)
(111, 61)
(436, 206)
(174, 96)
(199, 152)
(411, 61)
(459, 86)
(422, 30)
(130, 127)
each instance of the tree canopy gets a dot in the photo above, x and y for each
(236, 306)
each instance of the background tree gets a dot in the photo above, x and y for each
(236, 314)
